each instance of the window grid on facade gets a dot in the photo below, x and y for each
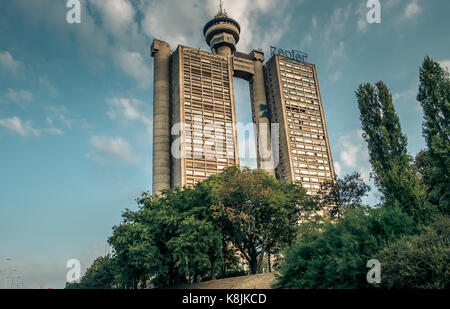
(209, 132)
(294, 99)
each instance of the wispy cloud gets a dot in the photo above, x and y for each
(353, 155)
(128, 109)
(111, 31)
(197, 12)
(408, 97)
(8, 64)
(16, 125)
(26, 128)
(133, 65)
(52, 129)
(116, 148)
(412, 9)
(19, 96)
(60, 115)
(337, 23)
(46, 84)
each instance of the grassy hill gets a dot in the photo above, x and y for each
(262, 281)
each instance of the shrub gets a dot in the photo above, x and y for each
(418, 261)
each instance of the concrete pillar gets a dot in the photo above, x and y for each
(260, 114)
(161, 116)
(224, 51)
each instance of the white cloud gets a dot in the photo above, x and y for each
(362, 24)
(52, 129)
(26, 129)
(110, 32)
(337, 22)
(412, 9)
(45, 83)
(65, 121)
(134, 66)
(196, 13)
(158, 21)
(117, 15)
(8, 64)
(353, 155)
(361, 12)
(120, 31)
(338, 52)
(445, 64)
(16, 125)
(60, 115)
(404, 95)
(314, 22)
(409, 97)
(338, 168)
(19, 96)
(111, 148)
(128, 109)
(349, 153)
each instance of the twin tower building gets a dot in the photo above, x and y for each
(194, 114)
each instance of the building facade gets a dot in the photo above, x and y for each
(194, 114)
(203, 105)
(296, 105)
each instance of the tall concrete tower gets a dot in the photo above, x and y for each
(161, 116)
(296, 105)
(195, 116)
(222, 34)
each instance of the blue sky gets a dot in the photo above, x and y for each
(76, 102)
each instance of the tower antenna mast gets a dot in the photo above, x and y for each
(221, 9)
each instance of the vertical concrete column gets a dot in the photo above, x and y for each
(261, 115)
(224, 51)
(161, 116)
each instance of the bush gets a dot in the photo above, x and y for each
(419, 261)
(100, 275)
(336, 255)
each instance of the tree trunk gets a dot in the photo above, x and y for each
(268, 262)
(254, 267)
(213, 269)
(253, 263)
(261, 259)
(224, 270)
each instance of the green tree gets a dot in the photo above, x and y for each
(393, 172)
(169, 238)
(100, 275)
(135, 253)
(257, 213)
(418, 261)
(434, 96)
(342, 193)
(196, 249)
(335, 256)
(423, 165)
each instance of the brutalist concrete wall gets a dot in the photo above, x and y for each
(161, 116)
(177, 120)
(261, 116)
